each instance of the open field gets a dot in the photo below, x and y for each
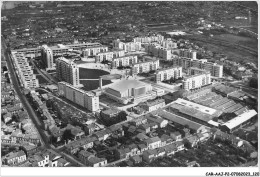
(236, 48)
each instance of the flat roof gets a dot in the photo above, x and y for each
(196, 106)
(240, 119)
(124, 85)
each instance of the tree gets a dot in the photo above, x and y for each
(253, 83)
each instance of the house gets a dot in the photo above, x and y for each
(84, 156)
(139, 121)
(149, 155)
(133, 149)
(158, 120)
(176, 136)
(160, 152)
(191, 141)
(29, 149)
(89, 129)
(136, 159)
(120, 153)
(153, 143)
(145, 127)
(77, 133)
(117, 130)
(96, 162)
(102, 135)
(141, 136)
(142, 148)
(14, 158)
(109, 113)
(191, 164)
(170, 149)
(165, 139)
(179, 145)
(61, 162)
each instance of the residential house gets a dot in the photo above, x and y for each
(109, 113)
(89, 129)
(142, 148)
(84, 156)
(141, 137)
(134, 149)
(158, 120)
(139, 121)
(176, 136)
(120, 153)
(14, 158)
(149, 155)
(165, 139)
(145, 127)
(153, 143)
(97, 162)
(102, 135)
(191, 141)
(136, 159)
(179, 145)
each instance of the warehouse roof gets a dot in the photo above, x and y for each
(240, 119)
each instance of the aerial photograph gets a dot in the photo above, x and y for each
(129, 84)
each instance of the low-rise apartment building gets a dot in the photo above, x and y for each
(145, 67)
(124, 61)
(168, 73)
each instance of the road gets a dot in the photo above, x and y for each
(26, 104)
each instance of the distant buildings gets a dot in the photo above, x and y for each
(128, 46)
(157, 50)
(93, 51)
(216, 70)
(145, 67)
(149, 39)
(124, 61)
(67, 71)
(78, 96)
(47, 57)
(109, 55)
(188, 54)
(168, 73)
(24, 71)
(127, 90)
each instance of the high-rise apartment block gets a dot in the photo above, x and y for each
(215, 69)
(109, 55)
(188, 53)
(124, 61)
(47, 57)
(149, 39)
(168, 73)
(67, 71)
(196, 81)
(83, 98)
(145, 67)
(24, 71)
(157, 50)
(127, 46)
(93, 51)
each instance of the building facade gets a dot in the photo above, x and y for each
(93, 51)
(215, 69)
(149, 39)
(124, 61)
(109, 55)
(47, 57)
(168, 73)
(188, 53)
(79, 96)
(67, 71)
(127, 46)
(145, 67)
(196, 81)
(24, 71)
(157, 50)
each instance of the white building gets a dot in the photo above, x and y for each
(47, 57)
(124, 61)
(188, 53)
(79, 96)
(196, 81)
(128, 46)
(157, 50)
(93, 51)
(149, 39)
(67, 71)
(24, 71)
(144, 67)
(215, 69)
(109, 55)
(168, 73)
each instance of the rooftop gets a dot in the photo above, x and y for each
(124, 85)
